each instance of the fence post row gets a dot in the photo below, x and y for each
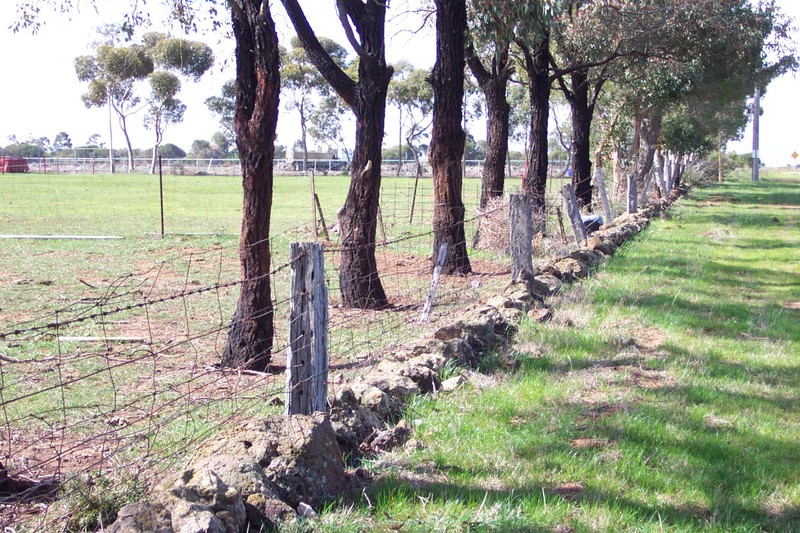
(520, 222)
(307, 353)
(574, 213)
(437, 272)
(632, 206)
(600, 183)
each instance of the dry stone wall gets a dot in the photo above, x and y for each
(267, 471)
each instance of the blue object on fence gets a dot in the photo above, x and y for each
(592, 222)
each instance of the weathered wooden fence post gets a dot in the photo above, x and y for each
(600, 183)
(307, 353)
(520, 223)
(632, 196)
(437, 273)
(643, 194)
(574, 213)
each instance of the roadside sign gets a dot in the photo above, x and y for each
(795, 155)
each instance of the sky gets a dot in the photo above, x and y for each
(41, 94)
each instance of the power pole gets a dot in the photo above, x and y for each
(756, 116)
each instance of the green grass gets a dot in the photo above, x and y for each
(663, 396)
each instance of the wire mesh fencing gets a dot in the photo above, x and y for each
(126, 381)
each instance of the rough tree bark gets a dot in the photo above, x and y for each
(493, 83)
(648, 143)
(358, 271)
(447, 136)
(582, 111)
(536, 65)
(250, 333)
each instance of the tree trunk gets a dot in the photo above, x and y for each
(493, 84)
(301, 108)
(493, 175)
(358, 272)
(257, 91)
(123, 124)
(650, 130)
(447, 136)
(536, 65)
(159, 138)
(581, 130)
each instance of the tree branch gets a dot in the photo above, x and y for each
(345, 15)
(344, 86)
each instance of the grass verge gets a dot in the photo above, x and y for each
(662, 397)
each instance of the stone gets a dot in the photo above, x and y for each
(422, 375)
(197, 518)
(142, 517)
(201, 491)
(541, 315)
(502, 302)
(552, 282)
(306, 510)
(483, 327)
(434, 361)
(452, 383)
(572, 268)
(390, 438)
(511, 314)
(395, 385)
(374, 399)
(298, 454)
(265, 514)
(353, 426)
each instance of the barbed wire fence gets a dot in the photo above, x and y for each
(127, 383)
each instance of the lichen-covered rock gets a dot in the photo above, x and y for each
(353, 424)
(434, 361)
(552, 282)
(297, 454)
(369, 397)
(601, 245)
(587, 257)
(395, 385)
(142, 517)
(197, 518)
(265, 514)
(572, 269)
(389, 438)
(204, 500)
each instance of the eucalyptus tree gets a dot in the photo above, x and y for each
(304, 85)
(163, 108)
(325, 124)
(494, 26)
(364, 23)
(411, 92)
(690, 106)
(448, 136)
(224, 106)
(663, 41)
(62, 141)
(113, 74)
(250, 334)
(171, 57)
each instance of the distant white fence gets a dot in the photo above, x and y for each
(232, 167)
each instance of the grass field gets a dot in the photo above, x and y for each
(662, 397)
(137, 407)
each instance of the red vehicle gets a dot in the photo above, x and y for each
(9, 164)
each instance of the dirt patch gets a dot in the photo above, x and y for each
(587, 443)
(717, 200)
(569, 490)
(792, 306)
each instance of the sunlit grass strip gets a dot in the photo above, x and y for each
(662, 397)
